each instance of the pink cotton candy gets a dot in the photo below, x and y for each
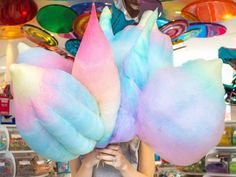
(94, 67)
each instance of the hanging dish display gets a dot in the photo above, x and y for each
(86, 7)
(42, 38)
(175, 28)
(72, 46)
(186, 36)
(208, 29)
(16, 12)
(11, 32)
(210, 10)
(39, 36)
(81, 23)
(60, 19)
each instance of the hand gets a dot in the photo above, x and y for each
(112, 155)
(89, 160)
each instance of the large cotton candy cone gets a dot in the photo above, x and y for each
(140, 51)
(181, 111)
(44, 58)
(44, 106)
(94, 67)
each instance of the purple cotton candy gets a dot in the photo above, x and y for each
(181, 111)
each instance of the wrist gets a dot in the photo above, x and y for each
(125, 167)
(87, 165)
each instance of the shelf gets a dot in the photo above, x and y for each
(230, 122)
(8, 125)
(37, 176)
(192, 173)
(225, 148)
(23, 151)
(209, 174)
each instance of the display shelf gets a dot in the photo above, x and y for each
(225, 148)
(9, 125)
(193, 174)
(22, 151)
(45, 175)
(209, 174)
(228, 122)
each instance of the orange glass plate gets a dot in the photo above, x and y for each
(80, 24)
(210, 10)
(11, 32)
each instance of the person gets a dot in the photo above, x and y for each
(132, 159)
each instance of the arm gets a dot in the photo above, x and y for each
(146, 163)
(84, 167)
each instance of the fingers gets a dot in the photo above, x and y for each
(105, 158)
(110, 163)
(108, 152)
(114, 147)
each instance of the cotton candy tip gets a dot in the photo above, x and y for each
(22, 47)
(106, 11)
(25, 79)
(93, 13)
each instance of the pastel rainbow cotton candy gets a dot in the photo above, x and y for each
(94, 67)
(137, 59)
(181, 111)
(43, 58)
(44, 106)
(120, 86)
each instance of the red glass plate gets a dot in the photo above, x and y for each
(175, 28)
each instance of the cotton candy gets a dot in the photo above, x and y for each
(43, 58)
(119, 86)
(54, 112)
(137, 59)
(181, 111)
(94, 67)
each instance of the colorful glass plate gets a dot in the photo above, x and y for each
(175, 28)
(72, 46)
(56, 18)
(208, 29)
(187, 35)
(86, 7)
(210, 10)
(11, 32)
(80, 24)
(39, 36)
(16, 12)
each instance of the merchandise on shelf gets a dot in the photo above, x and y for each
(218, 163)
(16, 142)
(3, 138)
(62, 167)
(7, 119)
(198, 167)
(24, 166)
(41, 166)
(30, 164)
(226, 139)
(232, 164)
(234, 137)
(7, 165)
